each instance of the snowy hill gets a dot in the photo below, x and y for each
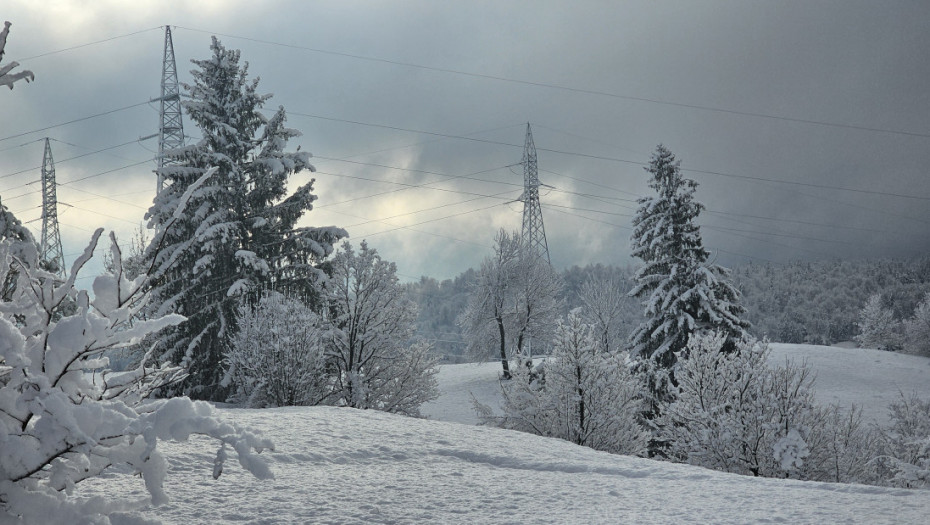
(871, 379)
(337, 465)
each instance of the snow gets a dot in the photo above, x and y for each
(872, 379)
(340, 465)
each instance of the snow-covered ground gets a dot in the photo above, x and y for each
(870, 379)
(335, 465)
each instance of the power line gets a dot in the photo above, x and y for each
(620, 160)
(570, 88)
(78, 46)
(65, 160)
(436, 219)
(110, 112)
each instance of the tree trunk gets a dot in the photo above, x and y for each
(504, 362)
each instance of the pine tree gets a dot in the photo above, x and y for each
(238, 234)
(681, 291)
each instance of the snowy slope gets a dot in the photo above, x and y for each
(348, 466)
(338, 465)
(871, 379)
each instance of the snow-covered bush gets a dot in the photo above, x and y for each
(917, 329)
(906, 443)
(370, 327)
(735, 413)
(64, 417)
(276, 356)
(588, 396)
(877, 326)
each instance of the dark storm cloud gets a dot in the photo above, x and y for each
(855, 63)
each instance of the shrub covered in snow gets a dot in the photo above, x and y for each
(586, 395)
(906, 443)
(276, 356)
(736, 414)
(64, 417)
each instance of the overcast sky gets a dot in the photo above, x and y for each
(805, 123)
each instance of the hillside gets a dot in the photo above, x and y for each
(870, 379)
(337, 465)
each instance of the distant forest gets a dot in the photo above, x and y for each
(815, 302)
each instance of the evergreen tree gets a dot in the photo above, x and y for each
(238, 233)
(681, 291)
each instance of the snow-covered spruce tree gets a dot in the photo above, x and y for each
(6, 77)
(877, 326)
(65, 418)
(589, 396)
(513, 301)
(734, 413)
(682, 293)
(917, 329)
(369, 347)
(276, 356)
(239, 234)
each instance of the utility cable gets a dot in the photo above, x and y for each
(570, 88)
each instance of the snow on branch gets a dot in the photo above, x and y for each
(6, 77)
(65, 417)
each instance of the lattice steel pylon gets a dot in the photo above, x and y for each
(534, 233)
(171, 130)
(50, 250)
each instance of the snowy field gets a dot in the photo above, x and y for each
(337, 465)
(868, 378)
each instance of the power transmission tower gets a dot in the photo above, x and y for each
(534, 233)
(50, 251)
(170, 131)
